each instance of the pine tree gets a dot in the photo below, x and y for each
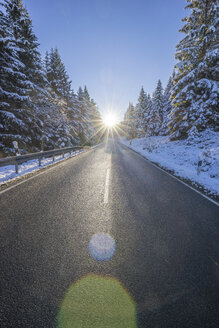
(27, 46)
(86, 94)
(96, 123)
(61, 100)
(57, 75)
(167, 107)
(14, 85)
(88, 114)
(73, 111)
(73, 116)
(141, 113)
(156, 114)
(82, 119)
(129, 123)
(195, 93)
(37, 106)
(25, 126)
(149, 117)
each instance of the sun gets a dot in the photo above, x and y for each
(110, 120)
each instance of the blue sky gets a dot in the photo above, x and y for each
(112, 46)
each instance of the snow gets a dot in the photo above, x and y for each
(7, 173)
(195, 159)
(9, 114)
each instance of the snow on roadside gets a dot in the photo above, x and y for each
(7, 173)
(195, 159)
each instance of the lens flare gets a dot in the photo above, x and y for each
(97, 302)
(102, 247)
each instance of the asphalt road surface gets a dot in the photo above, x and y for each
(160, 255)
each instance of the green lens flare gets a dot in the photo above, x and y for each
(97, 302)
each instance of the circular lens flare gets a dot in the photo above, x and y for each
(102, 247)
(97, 302)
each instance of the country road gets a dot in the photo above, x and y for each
(161, 252)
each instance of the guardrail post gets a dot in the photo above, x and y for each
(63, 155)
(53, 158)
(40, 160)
(16, 167)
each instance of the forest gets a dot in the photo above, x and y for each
(38, 107)
(189, 103)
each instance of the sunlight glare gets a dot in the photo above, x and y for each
(110, 120)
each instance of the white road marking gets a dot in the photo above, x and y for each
(106, 193)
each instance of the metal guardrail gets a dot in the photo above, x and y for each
(16, 160)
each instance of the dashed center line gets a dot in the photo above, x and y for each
(106, 193)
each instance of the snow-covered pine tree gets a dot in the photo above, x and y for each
(148, 113)
(97, 128)
(73, 116)
(88, 116)
(14, 85)
(93, 117)
(149, 116)
(35, 73)
(195, 97)
(57, 75)
(36, 111)
(86, 94)
(167, 107)
(141, 113)
(155, 116)
(33, 77)
(129, 123)
(82, 119)
(61, 99)
(74, 111)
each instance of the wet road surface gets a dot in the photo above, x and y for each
(108, 214)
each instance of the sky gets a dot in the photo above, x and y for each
(114, 47)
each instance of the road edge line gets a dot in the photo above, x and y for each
(171, 175)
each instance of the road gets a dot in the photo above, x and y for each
(165, 238)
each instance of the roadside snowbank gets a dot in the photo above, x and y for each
(195, 159)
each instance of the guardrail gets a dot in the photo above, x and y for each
(16, 160)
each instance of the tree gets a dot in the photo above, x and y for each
(12, 86)
(27, 46)
(149, 119)
(129, 124)
(37, 106)
(61, 100)
(56, 74)
(15, 86)
(97, 128)
(167, 107)
(196, 85)
(155, 115)
(141, 113)
(86, 94)
(82, 118)
(73, 116)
